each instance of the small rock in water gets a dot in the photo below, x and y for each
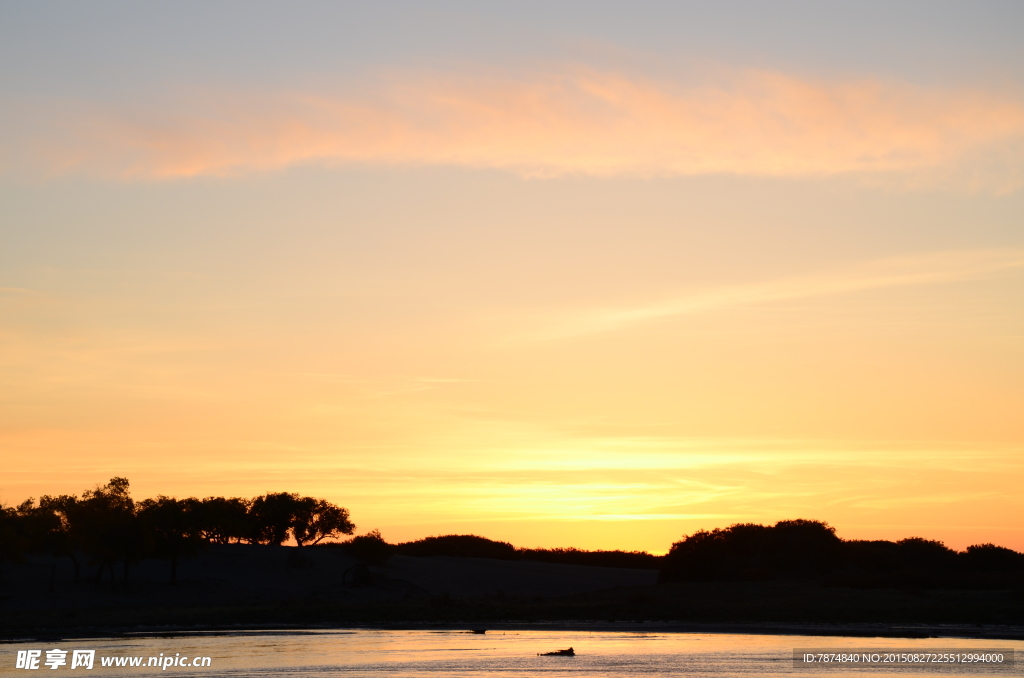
(558, 653)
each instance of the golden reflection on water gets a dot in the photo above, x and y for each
(405, 654)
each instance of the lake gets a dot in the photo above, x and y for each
(406, 654)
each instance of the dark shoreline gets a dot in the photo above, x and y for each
(858, 630)
(241, 588)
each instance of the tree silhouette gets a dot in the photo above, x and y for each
(35, 525)
(271, 517)
(110, 528)
(222, 519)
(65, 539)
(13, 543)
(41, 528)
(172, 526)
(317, 519)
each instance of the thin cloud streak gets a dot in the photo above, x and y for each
(561, 121)
(936, 267)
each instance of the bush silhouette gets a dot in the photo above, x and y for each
(791, 548)
(809, 550)
(458, 545)
(369, 548)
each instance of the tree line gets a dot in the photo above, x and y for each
(809, 550)
(105, 527)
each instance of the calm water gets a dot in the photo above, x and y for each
(406, 654)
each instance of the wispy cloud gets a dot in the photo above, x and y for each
(561, 121)
(921, 269)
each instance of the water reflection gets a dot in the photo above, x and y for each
(405, 654)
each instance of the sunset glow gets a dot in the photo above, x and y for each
(601, 291)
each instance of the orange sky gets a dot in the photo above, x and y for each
(600, 301)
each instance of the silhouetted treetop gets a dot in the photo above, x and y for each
(810, 550)
(749, 551)
(318, 519)
(107, 526)
(173, 527)
(271, 517)
(223, 519)
(459, 545)
(369, 548)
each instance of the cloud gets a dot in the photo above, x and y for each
(560, 121)
(934, 267)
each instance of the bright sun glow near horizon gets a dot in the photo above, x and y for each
(593, 274)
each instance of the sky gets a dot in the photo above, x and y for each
(581, 274)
